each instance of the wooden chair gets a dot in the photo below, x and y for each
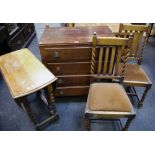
(135, 75)
(107, 98)
(24, 74)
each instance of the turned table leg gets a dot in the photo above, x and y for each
(50, 99)
(26, 107)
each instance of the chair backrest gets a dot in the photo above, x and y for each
(139, 34)
(109, 57)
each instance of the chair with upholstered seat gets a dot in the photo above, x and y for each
(107, 98)
(135, 75)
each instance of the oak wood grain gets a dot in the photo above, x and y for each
(24, 73)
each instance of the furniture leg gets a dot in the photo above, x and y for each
(38, 93)
(87, 122)
(128, 123)
(128, 88)
(26, 107)
(50, 99)
(147, 88)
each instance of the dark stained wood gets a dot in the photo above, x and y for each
(16, 38)
(73, 35)
(73, 80)
(67, 52)
(72, 91)
(76, 68)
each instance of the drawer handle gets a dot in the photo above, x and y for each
(19, 42)
(59, 81)
(61, 92)
(56, 55)
(58, 68)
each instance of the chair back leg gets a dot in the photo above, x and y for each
(87, 122)
(140, 103)
(128, 122)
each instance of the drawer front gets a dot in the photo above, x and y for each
(17, 42)
(68, 54)
(72, 91)
(75, 80)
(70, 68)
(29, 29)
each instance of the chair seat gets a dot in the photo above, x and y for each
(24, 73)
(108, 97)
(134, 73)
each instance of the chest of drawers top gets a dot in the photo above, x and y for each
(72, 35)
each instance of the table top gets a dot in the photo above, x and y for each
(24, 73)
(73, 35)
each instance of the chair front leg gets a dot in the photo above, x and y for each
(128, 122)
(87, 122)
(147, 88)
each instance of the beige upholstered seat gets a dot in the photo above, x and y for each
(108, 97)
(135, 73)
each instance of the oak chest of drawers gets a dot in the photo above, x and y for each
(67, 53)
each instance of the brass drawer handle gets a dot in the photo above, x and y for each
(58, 69)
(56, 55)
(59, 81)
(61, 92)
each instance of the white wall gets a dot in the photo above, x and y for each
(39, 27)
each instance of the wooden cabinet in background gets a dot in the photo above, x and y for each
(16, 36)
(67, 53)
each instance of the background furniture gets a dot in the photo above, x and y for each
(107, 98)
(66, 51)
(114, 27)
(69, 24)
(24, 74)
(3, 39)
(135, 75)
(39, 27)
(151, 31)
(17, 36)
